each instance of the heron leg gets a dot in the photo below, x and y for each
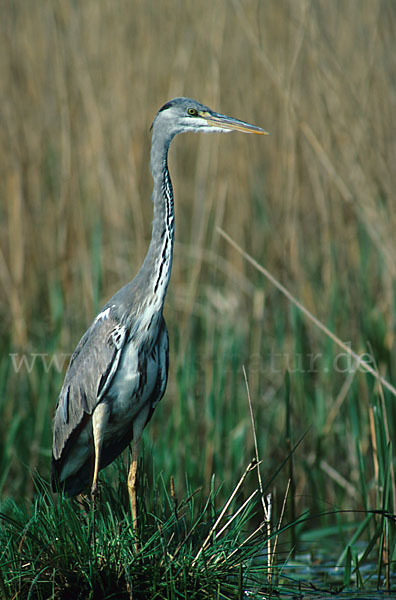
(100, 418)
(132, 477)
(138, 426)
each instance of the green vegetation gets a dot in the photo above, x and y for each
(313, 204)
(70, 550)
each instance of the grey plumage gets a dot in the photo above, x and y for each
(118, 371)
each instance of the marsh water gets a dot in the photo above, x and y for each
(320, 573)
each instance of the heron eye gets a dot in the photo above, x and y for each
(192, 112)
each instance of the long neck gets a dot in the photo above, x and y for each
(158, 262)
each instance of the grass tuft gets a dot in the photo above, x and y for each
(60, 548)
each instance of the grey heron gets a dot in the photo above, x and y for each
(119, 369)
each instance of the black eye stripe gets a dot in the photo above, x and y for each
(166, 106)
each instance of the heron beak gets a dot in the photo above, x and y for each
(218, 120)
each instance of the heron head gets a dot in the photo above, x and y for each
(184, 114)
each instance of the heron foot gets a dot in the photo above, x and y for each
(95, 495)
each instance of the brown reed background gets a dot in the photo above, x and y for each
(314, 203)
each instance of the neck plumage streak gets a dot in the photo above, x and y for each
(163, 266)
(165, 261)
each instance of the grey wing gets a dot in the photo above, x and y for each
(90, 372)
(153, 375)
